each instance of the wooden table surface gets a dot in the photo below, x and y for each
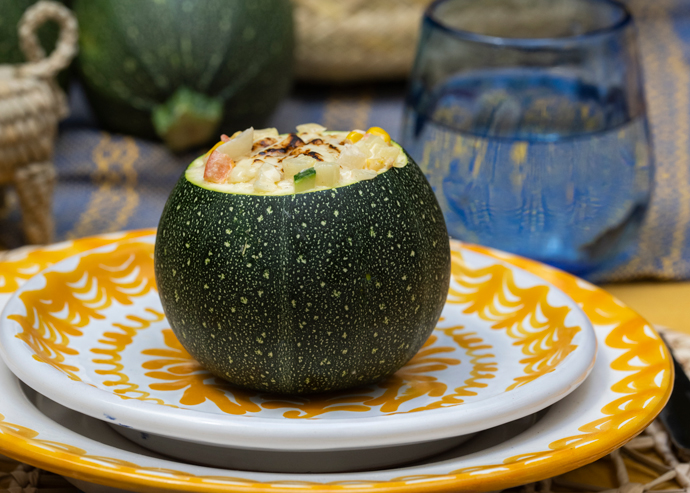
(661, 303)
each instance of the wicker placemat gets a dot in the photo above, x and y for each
(645, 463)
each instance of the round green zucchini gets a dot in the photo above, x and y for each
(307, 292)
(179, 70)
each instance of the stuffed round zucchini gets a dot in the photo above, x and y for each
(303, 263)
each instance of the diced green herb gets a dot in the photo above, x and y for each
(305, 180)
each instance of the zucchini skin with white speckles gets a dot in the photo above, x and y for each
(304, 293)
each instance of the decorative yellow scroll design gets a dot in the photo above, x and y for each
(116, 342)
(28, 435)
(484, 367)
(643, 385)
(412, 381)
(524, 313)
(416, 379)
(23, 266)
(70, 300)
(179, 370)
(16, 430)
(646, 388)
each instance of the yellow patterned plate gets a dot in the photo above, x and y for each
(629, 385)
(90, 334)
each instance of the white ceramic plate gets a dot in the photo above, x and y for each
(90, 333)
(84, 430)
(628, 386)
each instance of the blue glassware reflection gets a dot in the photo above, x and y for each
(537, 146)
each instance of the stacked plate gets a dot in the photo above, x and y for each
(510, 388)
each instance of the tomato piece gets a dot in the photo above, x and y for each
(218, 167)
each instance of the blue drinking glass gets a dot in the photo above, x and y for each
(528, 119)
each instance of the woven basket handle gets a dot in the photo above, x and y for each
(65, 48)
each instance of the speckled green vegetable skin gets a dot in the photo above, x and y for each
(309, 292)
(135, 54)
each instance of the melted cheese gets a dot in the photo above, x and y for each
(314, 141)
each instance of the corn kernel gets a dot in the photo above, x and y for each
(220, 143)
(381, 133)
(354, 136)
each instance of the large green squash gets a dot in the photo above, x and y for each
(181, 69)
(306, 292)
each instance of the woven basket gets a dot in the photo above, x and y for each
(356, 40)
(31, 104)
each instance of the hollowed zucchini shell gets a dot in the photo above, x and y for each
(306, 292)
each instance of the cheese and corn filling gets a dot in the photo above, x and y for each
(264, 162)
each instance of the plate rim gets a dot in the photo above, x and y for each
(60, 462)
(282, 434)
